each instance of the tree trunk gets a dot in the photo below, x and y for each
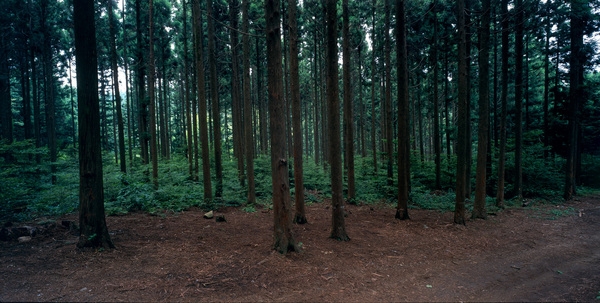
(214, 91)
(49, 87)
(202, 109)
(483, 128)
(283, 238)
(389, 130)
(518, 186)
(115, 72)
(141, 76)
(236, 101)
(403, 114)
(151, 103)
(300, 215)
(5, 99)
(578, 15)
(503, 105)
(436, 107)
(373, 74)
(338, 230)
(463, 90)
(248, 130)
(348, 108)
(92, 222)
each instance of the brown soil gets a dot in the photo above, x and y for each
(518, 255)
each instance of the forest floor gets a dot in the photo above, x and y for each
(536, 253)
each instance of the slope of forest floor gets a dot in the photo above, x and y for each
(536, 253)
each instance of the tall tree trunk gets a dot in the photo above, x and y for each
(389, 130)
(300, 215)
(127, 95)
(236, 101)
(317, 134)
(5, 99)
(248, 130)
(338, 230)
(503, 104)
(283, 238)
(202, 113)
(92, 222)
(115, 74)
(262, 103)
(403, 114)
(373, 83)
(214, 91)
(484, 113)
(463, 91)
(436, 107)
(578, 15)
(49, 87)
(518, 186)
(348, 108)
(141, 84)
(548, 32)
(187, 99)
(151, 105)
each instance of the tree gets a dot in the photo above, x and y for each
(518, 186)
(389, 129)
(348, 110)
(403, 114)
(463, 90)
(249, 131)
(503, 104)
(338, 230)
(202, 102)
(300, 216)
(92, 222)
(484, 113)
(151, 103)
(115, 74)
(214, 91)
(283, 238)
(579, 14)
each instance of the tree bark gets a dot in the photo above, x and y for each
(115, 73)
(389, 130)
(202, 108)
(151, 103)
(300, 215)
(141, 76)
(283, 239)
(483, 128)
(463, 90)
(403, 114)
(92, 222)
(338, 230)
(503, 104)
(518, 186)
(348, 107)
(248, 130)
(578, 15)
(214, 91)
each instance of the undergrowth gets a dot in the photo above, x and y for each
(26, 191)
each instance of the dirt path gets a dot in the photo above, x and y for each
(518, 255)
